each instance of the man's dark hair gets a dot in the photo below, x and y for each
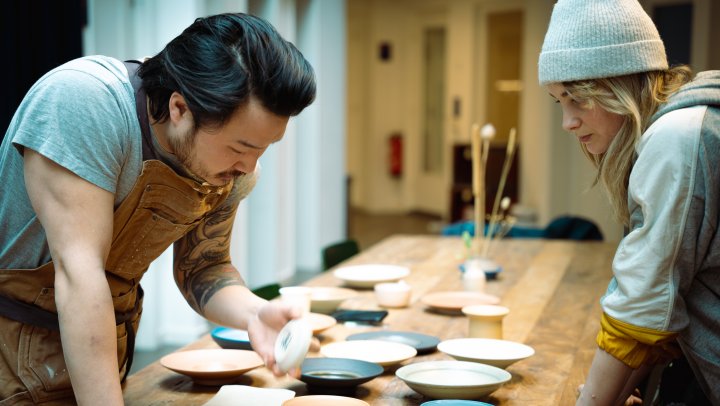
(219, 62)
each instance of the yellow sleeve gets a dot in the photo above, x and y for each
(633, 345)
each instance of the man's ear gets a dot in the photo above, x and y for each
(178, 108)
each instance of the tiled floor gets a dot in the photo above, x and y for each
(367, 229)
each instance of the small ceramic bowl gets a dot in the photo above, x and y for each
(393, 294)
(326, 299)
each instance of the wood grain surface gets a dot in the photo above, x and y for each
(552, 288)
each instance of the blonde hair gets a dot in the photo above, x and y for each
(636, 97)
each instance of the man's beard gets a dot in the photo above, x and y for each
(184, 150)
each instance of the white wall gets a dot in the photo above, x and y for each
(266, 237)
(553, 173)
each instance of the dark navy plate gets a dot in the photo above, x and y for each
(423, 343)
(338, 372)
(231, 338)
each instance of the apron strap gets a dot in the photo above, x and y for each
(141, 110)
(28, 313)
(33, 315)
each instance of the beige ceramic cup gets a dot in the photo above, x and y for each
(297, 296)
(485, 321)
(393, 294)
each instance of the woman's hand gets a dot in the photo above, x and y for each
(633, 400)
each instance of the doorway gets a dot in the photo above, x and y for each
(429, 148)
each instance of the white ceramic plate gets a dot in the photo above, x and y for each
(212, 366)
(368, 275)
(326, 299)
(320, 322)
(385, 353)
(452, 379)
(499, 353)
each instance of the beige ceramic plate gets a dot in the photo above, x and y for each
(368, 275)
(212, 366)
(324, 400)
(453, 301)
(499, 353)
(320, 322)
(326, 299)
(452, 379)
(385, 353)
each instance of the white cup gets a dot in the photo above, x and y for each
(474, 279)
(297, 296)
(393, 294)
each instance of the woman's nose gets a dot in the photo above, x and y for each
(570, 122)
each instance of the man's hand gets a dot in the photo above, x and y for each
(263, 331)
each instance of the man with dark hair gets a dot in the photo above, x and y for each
(107, 163)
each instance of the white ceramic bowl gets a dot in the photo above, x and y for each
(393, 294)
(499, 353)
(452, 379)
(327, 299)
(368, 275)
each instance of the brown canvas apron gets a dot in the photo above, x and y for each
(161, 208)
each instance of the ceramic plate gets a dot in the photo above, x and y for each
(452, 302)
(454, 402)
(327, 299)
(366, 276)
(452, 379)
(324, 400)
(338, 372)
(320, 322)
(231, 339)
(499, 353)
(212, 366)
(384, 353)
(423, 343)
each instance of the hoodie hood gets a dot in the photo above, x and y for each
(704, 90)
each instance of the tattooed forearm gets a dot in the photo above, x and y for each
(206, 283)
(202, 257)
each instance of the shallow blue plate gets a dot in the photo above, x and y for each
(231, 338)
(454, 402)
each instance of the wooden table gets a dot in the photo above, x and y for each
(552, 288)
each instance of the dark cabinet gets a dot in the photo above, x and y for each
(461, 199)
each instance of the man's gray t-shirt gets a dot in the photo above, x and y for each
(82, 116)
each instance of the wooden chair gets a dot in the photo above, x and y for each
(338, 252)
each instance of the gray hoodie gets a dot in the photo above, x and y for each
(667, 269)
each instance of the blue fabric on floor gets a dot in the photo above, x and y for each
(456, 229)
(563, 227)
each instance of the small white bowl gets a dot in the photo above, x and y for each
(393, 294)
(326, 299)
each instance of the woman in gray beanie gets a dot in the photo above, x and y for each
(654, 136)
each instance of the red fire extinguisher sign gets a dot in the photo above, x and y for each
(395, 156)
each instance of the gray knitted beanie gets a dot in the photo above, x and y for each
(591, 39)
